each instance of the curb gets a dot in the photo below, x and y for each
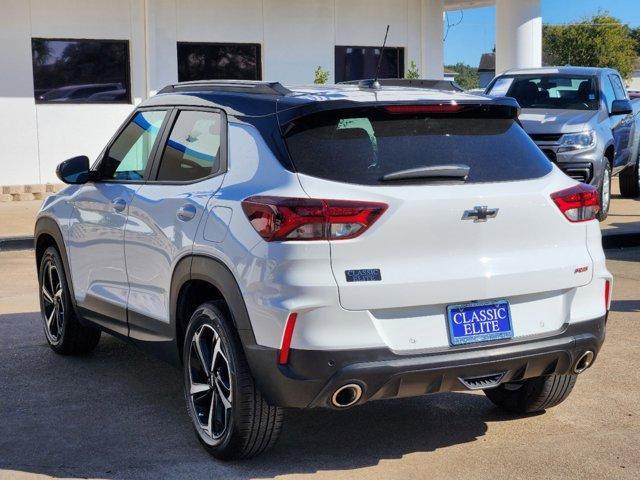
(609, 241)
(9, 244)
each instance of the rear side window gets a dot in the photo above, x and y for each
(193, 148)
(362, 148)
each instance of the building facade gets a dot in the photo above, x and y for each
(74, 69)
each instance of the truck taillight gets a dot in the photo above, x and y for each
(578, 203)
(607, 294)
(281, 218)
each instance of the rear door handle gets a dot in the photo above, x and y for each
(119, 204)
(186, 212)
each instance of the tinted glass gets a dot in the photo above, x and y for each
(216, 61)
(362, 148)
(358, 63)
(192, 151)
(608, 92)
(549, 91)
(128, 156)
(80, 71)
(618, 88)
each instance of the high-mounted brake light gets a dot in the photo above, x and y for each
(279, 218)
(287, 335)
(579, 203)
(434, 108)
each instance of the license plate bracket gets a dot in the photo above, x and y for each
(479, 322)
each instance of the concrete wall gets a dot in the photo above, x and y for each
(295, 36)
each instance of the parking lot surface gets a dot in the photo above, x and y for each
(118, 413)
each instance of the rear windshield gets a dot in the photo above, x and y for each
(361, 147)
(563, 92)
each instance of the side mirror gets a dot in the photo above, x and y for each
(74, 171)
(621, 107)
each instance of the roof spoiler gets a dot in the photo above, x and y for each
(405, 82)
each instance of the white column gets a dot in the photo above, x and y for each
(432, 61)
(518, 34)
(161, 44)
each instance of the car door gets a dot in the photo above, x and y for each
(165, 214)
(621, 125)
(97, 224)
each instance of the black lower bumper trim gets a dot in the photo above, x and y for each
(312, 376)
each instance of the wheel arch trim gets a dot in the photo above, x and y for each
(48, 226)
(213, 271)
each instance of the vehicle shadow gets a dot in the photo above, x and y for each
(118, 413)
(625, 305)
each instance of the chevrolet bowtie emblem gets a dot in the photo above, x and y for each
(480, 214)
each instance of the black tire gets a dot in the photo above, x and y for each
(630, 181)
(606, 180)
(64, 333)
(532, 395)
(251, 425)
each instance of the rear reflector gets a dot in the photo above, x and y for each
(607, 295)
(439, 108)
(579, 203)
(279, 218)
(285, 346)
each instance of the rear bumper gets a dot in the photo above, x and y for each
(312, 377)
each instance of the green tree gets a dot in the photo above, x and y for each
(635, 35)
(467, 76)
(599, 41)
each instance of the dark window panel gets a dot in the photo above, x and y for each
(80, 71)
(218, 61)
(358, 63)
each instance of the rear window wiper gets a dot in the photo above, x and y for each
(435, 172)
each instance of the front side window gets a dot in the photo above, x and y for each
(218, 61)
(80, 71)
(193, 148)
(549, 91)
(619, 90)
(129, 154)
(358, 63)
(608, 92)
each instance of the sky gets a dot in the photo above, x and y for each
(475, 34)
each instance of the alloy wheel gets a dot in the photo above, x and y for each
(53, 301)
(210, 390)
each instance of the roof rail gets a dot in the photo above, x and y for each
(237, 86)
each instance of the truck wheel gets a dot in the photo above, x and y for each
(532, 395)
(62, 329)
(229, 414)
(605, 191)
(630, 181)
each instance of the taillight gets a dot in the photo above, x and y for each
(280, 218)
(607, 294)
(578, 203)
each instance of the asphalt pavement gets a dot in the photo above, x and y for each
(118, 413)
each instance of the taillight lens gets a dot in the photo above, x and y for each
(607, 294)
(280, 218)
(578, 203)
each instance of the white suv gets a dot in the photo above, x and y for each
(326, 246)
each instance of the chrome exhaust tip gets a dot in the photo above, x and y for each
(584, 362)
(346, 396)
